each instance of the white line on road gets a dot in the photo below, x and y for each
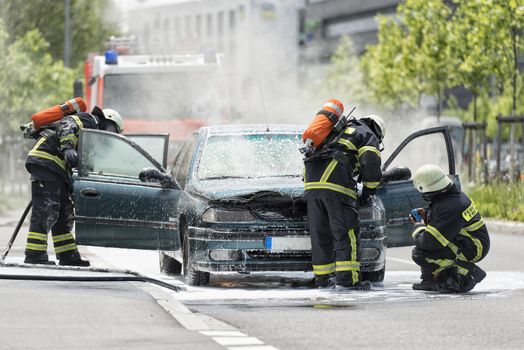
(254, 347)
(228, 341)
(184, 316)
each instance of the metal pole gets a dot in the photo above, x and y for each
(67, 33)
(485, 151)
(499, 142)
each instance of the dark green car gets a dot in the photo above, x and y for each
(233, 200)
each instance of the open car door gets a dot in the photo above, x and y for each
(399, 196)
(156, 145)
(113, 207)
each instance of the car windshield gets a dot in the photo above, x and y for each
(251, 156)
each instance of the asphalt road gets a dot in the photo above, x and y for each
(278, 309)
(391, 316)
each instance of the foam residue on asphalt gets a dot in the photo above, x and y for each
(292, 287)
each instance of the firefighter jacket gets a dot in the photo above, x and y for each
(331, 171)
(453, 221)
(48, 150)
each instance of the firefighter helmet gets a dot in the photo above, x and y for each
(430, 178)
(114, 116)
(111, 115)
(377, 125)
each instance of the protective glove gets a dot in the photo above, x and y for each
(365, 197)
(71, 157)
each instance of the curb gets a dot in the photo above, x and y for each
(506, 227)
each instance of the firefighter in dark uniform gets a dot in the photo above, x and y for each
(331, 194)
(450, 238)
(50, 162)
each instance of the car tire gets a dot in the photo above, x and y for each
(374, 276)
(168, 264)
(193, 277)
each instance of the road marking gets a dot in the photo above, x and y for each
(228, 341)
(223, 333)
(254, 347)
(229, 337)
(402, 260)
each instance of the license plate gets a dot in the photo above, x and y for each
(287, 243)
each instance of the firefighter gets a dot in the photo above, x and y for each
(450, 237)
(332, 201)
(50, 162)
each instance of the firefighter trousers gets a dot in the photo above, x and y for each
(53, 210)
(462, 254)
(334, 230)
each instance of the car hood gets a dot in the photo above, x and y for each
(221, 189)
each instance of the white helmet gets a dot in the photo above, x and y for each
(377, 124)
(114, 116)
(430, 178)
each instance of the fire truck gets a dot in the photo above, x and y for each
(171, 93)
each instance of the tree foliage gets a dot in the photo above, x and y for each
(412, 56)
(91, 24)
(30, 78)
(434, 45)
(344, 77)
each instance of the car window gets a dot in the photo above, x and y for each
(155, 145)
(423, 150)
(108, 154)
(251, 156)
(184, 161)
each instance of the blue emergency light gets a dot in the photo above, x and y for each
(111, 57)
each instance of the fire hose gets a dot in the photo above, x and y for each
(130, 276)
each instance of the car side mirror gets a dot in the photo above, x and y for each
(396, 174)
(155, 175)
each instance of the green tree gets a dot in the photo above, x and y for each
(473, 46)
(344, 76)
(508, 20)
(388, 67)
(92, 24)
(427, 26)
(31, 80)
(412, 56)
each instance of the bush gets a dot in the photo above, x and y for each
(499, 201)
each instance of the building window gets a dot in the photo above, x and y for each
(187, 25)
(232, 19)
(220, 24)
(167, 33)
(209, 24)
(177, 27)
(198, 25)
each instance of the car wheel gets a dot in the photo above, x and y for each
(193, 277)
(374, 276)
(168, 264)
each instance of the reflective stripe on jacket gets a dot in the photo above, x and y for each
(48, 149)
(331, 172)
(453, 218)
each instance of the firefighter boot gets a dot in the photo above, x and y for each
(72, 258)
(38, 258)
(427, 285)
(363, 285)
(475, 275)
(325, 281)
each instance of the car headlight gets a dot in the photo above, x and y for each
(227, 215)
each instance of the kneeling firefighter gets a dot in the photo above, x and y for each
(450, 238)
(50, 164)
(339, 154)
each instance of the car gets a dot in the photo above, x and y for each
(232, 201)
